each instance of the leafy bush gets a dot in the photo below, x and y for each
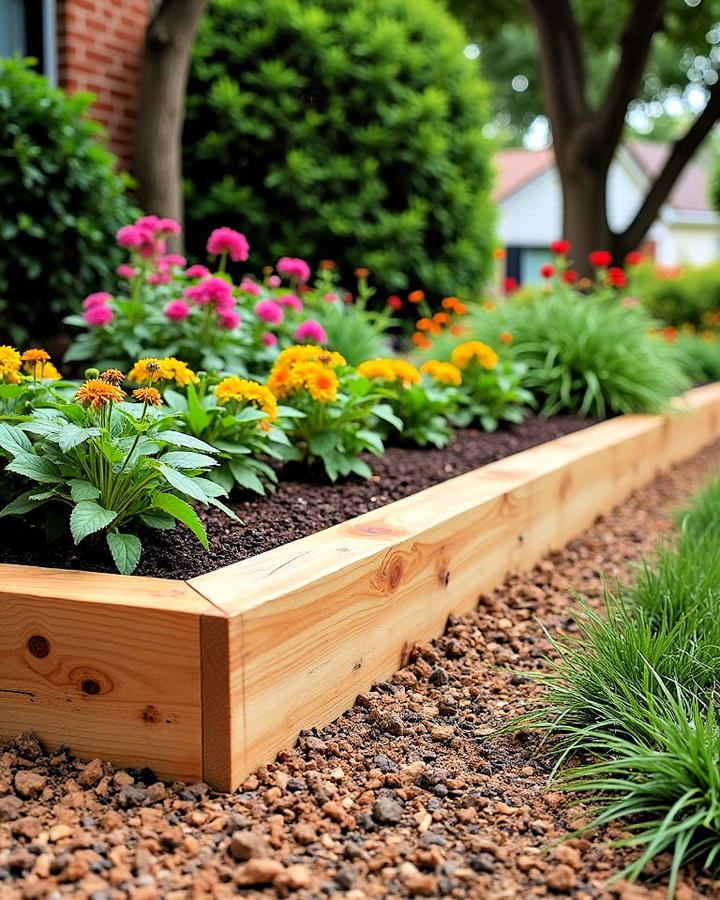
(679, 295)
(700, 355)
(62, 201)
(349, 129)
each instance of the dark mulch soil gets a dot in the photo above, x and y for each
(404, 796)
(301, 505)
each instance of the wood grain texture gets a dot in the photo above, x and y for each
(112, 671)
(314, 623)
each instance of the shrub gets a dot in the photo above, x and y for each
(61, 201)
(349, 129)
(679, 295)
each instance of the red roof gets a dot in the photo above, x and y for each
(519, 166)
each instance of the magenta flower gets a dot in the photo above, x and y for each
(229, 319)
(130, 236)
(274, 281)
(225, 240)
(170, 260)
(268, 339)
(197, 271)
(159, 278)
(269, 311)
(211, 290)
(150, 223)
(310, 330)
(126, 271)
(250, 287)
(98, 315)
(291, 267)
(290, 300)
(177, 310)
(168, 226)
(98, 299)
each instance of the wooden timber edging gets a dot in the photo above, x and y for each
(209, 678)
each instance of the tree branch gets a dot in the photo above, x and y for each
(681, 153)
(561, 65)
(644, 20)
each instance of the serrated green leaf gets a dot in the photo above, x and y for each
(158, 520)
(125, 549)
(82, 490)
(72, 436)
(322, 442)
(13, 439)
(21, 505)
(88, 517)
(35, 467)
(182, 459)
(193, 487)
(245, 477)
(183, 512)
(184, 440)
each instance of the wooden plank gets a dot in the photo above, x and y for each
(108, 665)
(317, 621)
(216, 699)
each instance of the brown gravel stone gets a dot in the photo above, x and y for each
(561, 878)
(27, 784)
(248, 845)
(257, 871)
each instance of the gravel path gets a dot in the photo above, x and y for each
(403, 796)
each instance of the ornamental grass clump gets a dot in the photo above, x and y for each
(105, 464)
(333, 408)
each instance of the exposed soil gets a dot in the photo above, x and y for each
(404, 796)
(302, 504)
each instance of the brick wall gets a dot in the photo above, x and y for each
(99, 50)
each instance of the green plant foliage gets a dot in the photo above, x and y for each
(700, 355)
(677, 297)
(62, 202)
(348, 129)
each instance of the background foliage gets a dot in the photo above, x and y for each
(350, 129)
(62, 202)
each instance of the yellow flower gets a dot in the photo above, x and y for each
(10, 361)
(147, 369)
(172, 369)
(148, 395)
(321, 383)
(442, 371)
(245, 391)
(465, 353)
(306, 353)
(390, 370)
(405, 371)
(41, 371)
(280, 381)
(97, 393)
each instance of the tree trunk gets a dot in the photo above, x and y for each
(158, 164)
(585, 222)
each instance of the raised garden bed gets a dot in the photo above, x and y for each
(208, 678)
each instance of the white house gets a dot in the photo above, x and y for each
(529, 202)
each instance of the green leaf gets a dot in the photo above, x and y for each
(250, 414)
(245, 477)
(157, 520)
(184, 440)
(21, 505)
(180, 459)
(360, 467)
(72, 436)
(14, 440)
(322, 442)
(35, 467)
(384, 411)
(198, 418)
(126, 550)
(193, 487)
(372, 439)
(82, 490)
(183, 512)
(88, 517)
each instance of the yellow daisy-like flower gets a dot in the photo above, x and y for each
(35, 355)
(280, 381)
(321, 382)
(147, 369)
(97, 393)
(405, 371)
(41, 371)
(10, 362)
(245, 391)
(310, 352)
(466, 353)
(377, 368)
(172, 369)
(445, 372)
(149, 395)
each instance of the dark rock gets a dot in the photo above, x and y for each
(387, 811)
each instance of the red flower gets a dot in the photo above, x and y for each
(601, 259)
(509, 285)
(394, 302)
(547, 271)
(634, 258)
(570, 276)
(560, 247)
(616, 277)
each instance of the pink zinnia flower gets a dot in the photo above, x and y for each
(274, 281)
(148, 222)
(312, 331)
(197, 271)
(224, 303)
(177, 310)
(168, 226)
(292, 267)
(170, 260)
(290, 300)
(226, 240)
(211, 290)
(229, 319)
(126, 271)
(98, 315)
(130, 236)
(159, 278)
(269, 311)
(98, 299)
(268, 339)
(250, 287)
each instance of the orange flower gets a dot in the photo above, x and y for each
(148, 395)
(97, 393)
(670, 334)
(423, 324)
(449, 302)
(455, 330)
(434, 328)
(506, 337)
(113, 376)
(421, 341)
(460, 309)
(489, 304)
(35, 356)
(326, 264)
(442, 318)
(362, 272)
(416, 296)
(499, 253)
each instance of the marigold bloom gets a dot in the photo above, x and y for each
(445, 372)
(148, 395)
(416, 296)
(244, 391)
(441, 318)
(280, 381)
(499, 253)
(423, 324)
(460, 308)
(172, 369)
(505, 337)
(96, 393)
(10, 362)
(390, 370)
(147, 369)
(601, 259)
(35, 355)
(422, 341)
(321, 382)
(449, 302)
(113, 376)
(464, 354)
(306, 352)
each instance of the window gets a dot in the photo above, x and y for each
(27, 27)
